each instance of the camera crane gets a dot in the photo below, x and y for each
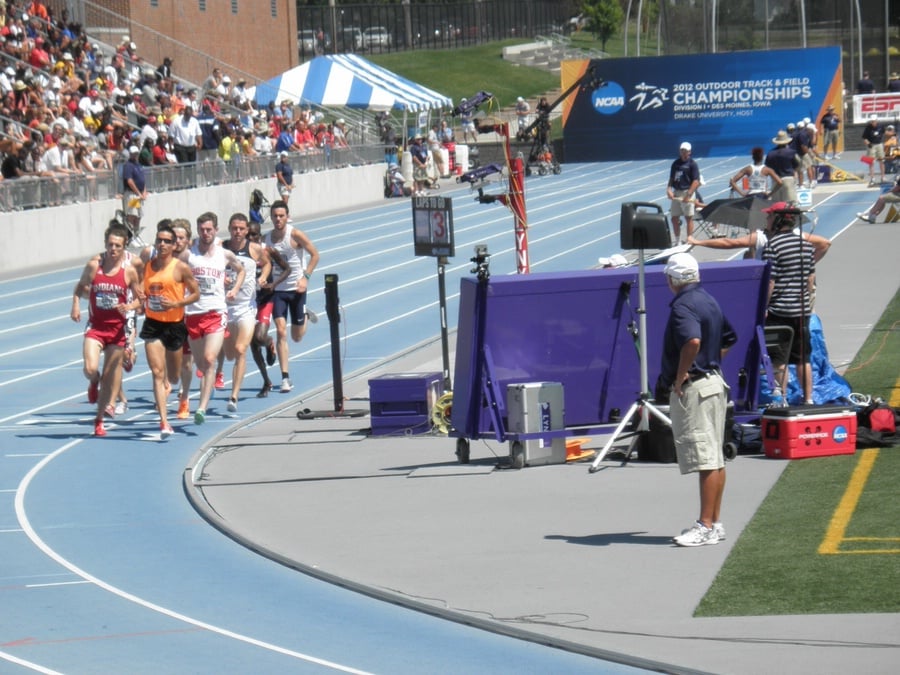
(539, 129)
(514, 197)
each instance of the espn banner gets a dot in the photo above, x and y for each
(886, 107)
(723, 104)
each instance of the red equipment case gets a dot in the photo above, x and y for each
(808, 431)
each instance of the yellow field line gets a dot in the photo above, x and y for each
(837, 528)
(844, 512)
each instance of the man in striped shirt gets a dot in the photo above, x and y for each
(791, 283)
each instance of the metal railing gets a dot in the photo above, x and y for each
(31, 192)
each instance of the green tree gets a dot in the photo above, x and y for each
(605, 17)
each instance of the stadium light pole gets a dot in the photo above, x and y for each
(712, 29)
(803, 23)
(637, 28)
(859, 43)
(887, 40)
(627, 17)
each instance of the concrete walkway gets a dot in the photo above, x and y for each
(555, 554)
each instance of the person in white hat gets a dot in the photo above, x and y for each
(697, 334)
(684, 179)
(522, 110)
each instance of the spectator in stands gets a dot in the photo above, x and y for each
(186, 136)
(262, 142)
(230, 148)
(213, 81)
(13, 165)
(162, 150)
(304, 136)
(339, 129)
(39, 57)
(164, 71)
(285, 141)
(38, 9)
(210, 131)
(865, 85)
(245, 138)
(239, 93)
(7, 78)
(224, 89)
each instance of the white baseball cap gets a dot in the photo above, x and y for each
(683, 267)
(685, 146)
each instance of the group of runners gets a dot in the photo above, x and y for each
(202, 300)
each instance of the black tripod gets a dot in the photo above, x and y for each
(639, 230)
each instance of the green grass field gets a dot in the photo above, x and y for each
(779, 564)
(459, 73)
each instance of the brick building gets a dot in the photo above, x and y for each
(253, 38)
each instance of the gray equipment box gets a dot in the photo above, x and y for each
(532, 407)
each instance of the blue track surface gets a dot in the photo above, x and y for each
(106, 567)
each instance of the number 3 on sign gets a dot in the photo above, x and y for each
(438, 227)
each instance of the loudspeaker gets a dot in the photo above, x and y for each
(643, 225)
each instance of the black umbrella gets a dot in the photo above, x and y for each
(743, 212)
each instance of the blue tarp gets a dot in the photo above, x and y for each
(349, 81)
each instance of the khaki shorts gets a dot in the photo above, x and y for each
(786, 192)
(698, 424)
(876, 151)
(680, 208)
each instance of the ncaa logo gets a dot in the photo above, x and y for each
(839, 435)
(609, 99)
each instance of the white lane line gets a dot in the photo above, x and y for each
(57, 583)
(20, 326)
(28, 664)
(22, 517)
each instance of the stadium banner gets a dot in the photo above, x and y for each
(885, 107)
(723, 104)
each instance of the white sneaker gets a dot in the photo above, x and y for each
(697, 535)
(232, 405)
(719, 529)
(121, 408)
(286, 385)
(866, 217)
(311, 316)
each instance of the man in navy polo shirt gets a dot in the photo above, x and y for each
(783, 160)
(684, 179)
(696, 337)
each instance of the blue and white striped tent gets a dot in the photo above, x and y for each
(350, 81)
